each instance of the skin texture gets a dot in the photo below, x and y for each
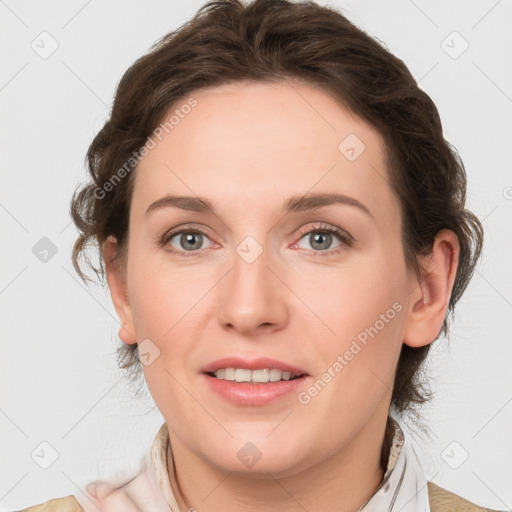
(247, 148)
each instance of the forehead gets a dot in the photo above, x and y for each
(249, 143)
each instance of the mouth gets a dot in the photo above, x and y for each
(253, 383)
(258, 376)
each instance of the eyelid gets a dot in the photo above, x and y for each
(325, 227)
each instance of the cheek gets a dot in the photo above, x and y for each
(348, 298)
(161, 294)
(168, 309)
(363, 306)
(164, 312)
(153, 311)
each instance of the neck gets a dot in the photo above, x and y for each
(341, 482)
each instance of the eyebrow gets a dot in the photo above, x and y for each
(293, 204)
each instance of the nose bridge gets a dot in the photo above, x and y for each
(252, 295)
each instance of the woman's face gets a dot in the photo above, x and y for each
(259, 275)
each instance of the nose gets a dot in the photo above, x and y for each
(252, 297)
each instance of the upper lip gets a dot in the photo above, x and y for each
(253, 364)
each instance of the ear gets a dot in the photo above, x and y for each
(119, 292)
(430, 295)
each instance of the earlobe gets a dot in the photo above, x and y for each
(127, 335)
(118, 292)
(430, 295)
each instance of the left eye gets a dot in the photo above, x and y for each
(187, 240)
(322, 239)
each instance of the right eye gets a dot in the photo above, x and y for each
(184, 240)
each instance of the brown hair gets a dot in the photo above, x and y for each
(276, 40)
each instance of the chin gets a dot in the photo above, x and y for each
(259, 457)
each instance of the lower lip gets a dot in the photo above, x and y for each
(254, 394)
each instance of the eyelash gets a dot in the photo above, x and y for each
(344, 237)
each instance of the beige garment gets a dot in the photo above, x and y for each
(67, 504)
(151, 489)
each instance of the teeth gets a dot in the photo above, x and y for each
(275, 375)
(260, 376)
(243, 375)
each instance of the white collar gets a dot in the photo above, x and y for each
(403, 487)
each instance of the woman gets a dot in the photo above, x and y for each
(329, 241)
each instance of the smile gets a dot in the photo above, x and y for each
(258, 376)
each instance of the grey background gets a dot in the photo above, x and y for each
(59, 380)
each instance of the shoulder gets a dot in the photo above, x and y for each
(66, 504)
(141, 493)
(442, 500)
